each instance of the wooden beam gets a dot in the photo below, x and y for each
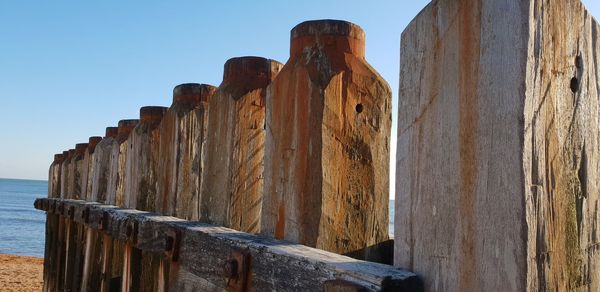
(197, 252)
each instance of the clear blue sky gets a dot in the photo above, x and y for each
(68, 69)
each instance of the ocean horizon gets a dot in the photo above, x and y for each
(22, 227)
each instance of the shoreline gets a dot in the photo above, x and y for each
(21, 273)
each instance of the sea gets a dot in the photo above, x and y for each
(22, 227)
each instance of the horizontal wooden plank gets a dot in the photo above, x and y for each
(202, 251)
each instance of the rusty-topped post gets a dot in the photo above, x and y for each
(88, 172)
(182, 132)
(328, 133)
(118, 162)
(142, 160)
(65, 176)
(233, 176)
(101, 164)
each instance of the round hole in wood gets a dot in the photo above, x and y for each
(359, 108)
(574, 84)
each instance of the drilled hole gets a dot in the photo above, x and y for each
(359, 108)
(574, 84)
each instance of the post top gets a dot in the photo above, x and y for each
(80, 148)
(111, 132)
(58, 158)
(242, 74)
(152, 114)
(192, 93)
(125, 127)
(337, 35)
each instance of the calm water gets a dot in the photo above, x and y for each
(22, 228)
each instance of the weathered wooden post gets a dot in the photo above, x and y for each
(54, 185)
(141, 269)
(64, 173)
(498, 147)
(54, 177)
(142, 160)
(101, 166)
(328, 129)
(182, 132)
(113, 249)
(97, 245)
(120, 164)
(233, 177)
(88, 171)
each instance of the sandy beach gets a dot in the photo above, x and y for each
(20, 273)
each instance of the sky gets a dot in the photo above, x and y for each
(69, 69)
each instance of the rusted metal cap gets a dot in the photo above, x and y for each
(125, 127)
(337, 35)
(58, 158)
(243, 74)
(81, 148)
(152, 114)
(192, 94)
(93, 141)
(111, 132)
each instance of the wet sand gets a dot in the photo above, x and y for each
(20, 273)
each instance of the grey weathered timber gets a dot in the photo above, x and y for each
(498, 147)
(197, 251)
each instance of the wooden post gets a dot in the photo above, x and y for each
(182, 132)
(64, 173)
(142, 160)
(101, 164)
(141, 269)
(54, 177)
(233, 177)
(328, 129)
(87, 172)
(498, 147)
(120, 164)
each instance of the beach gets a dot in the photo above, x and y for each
(21, 273)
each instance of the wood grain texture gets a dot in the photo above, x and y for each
(203, 250)
(183, 132)
(102, 182)
(327, 138)
(232, 186)
(498, 146)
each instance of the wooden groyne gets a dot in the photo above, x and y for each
(275, 180)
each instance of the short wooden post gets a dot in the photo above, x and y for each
(328, 133)
(498, 147)
(233, 177)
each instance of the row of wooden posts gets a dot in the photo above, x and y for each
(297, 152)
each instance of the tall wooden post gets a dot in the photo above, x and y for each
(233, 177)
(142, 160)
(327, 143)
(52, 222)
(87, 172)
(498, 147)
(182, 132)
(140, 272)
